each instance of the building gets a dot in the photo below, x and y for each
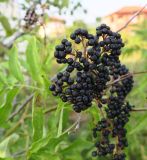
(117, 19)
(55, 27)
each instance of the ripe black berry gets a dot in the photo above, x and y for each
(52, 87)
(95, 73)
(94, 153)
(77, 40)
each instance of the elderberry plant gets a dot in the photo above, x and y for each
(95, 73)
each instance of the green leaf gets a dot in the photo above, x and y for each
(94, 112)
(60, 123)
(65, 3)
(5, 109)
(76, 145)
(33, 59)
(4, 145)
(139, 126)
(37, 121)
(56, 2)
(3, 0)
(47, 83)
(44, 156)
(14, 64)
(36, 146)
(48, 143)
(6, 25)
(7, 159)
(3, 78)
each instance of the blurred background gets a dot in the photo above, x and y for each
(37, 126)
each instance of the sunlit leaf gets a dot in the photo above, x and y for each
(3, 0)
(76, 145)
(37, 120)
(65, 3)
(33, 59)
(14, 64)
(4, 145)
(48, 143)
(3, 79)
(60, 123)
(139, 126)
(6, 108)
(6, 25)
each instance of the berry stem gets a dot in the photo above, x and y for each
(126, 76)
(84, 47)
(116, 147)
(72, 54)
(45, 36)
(101, 111)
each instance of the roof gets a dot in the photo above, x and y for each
(56, 19)
(129, 10)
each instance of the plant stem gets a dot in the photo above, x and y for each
(126, 76)
(84, 46)
(23, 117)
(21, 107)
(139, 110)
(50, 110)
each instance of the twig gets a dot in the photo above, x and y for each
(24, 116)
(21, 107)
(139, 110)
(120, 79)
(73, 126)
(50, 110)
(15, 36)
(101, 110)
(84, 46)
(102, 113)
(11, 130)
(126, 76)
(142, 72)
(19, 154)
(78, 123)
(129, 21)
(45, 36)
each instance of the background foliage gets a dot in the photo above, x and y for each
(34, 125)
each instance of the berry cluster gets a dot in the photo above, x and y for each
(95, 73)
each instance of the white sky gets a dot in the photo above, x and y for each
(95, 8)
(98, 8)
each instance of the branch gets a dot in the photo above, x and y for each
(101, 110)
(17, 35)
(13, 129)
(129, 21)
(126, 76)
(74, 126)
(139, 110)
(84, 46)
(19, 154)
(50, 110)
(141, 72)
(23, 117)
(21, 107)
